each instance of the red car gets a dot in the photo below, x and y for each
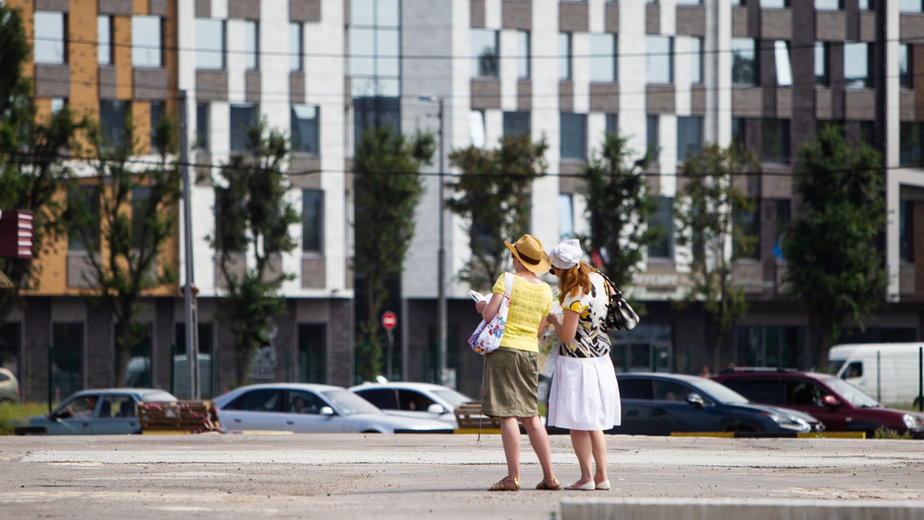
(834, 402)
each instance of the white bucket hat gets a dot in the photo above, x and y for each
(566, 254)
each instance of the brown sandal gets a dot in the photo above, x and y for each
(501, 485)
(554, 486)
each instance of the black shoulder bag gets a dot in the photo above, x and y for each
(619, 314)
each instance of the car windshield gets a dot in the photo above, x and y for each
(452, 397)
(721, 393)
(834, 365)
(851, 393)
(348, 403)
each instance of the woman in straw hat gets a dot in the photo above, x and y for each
(584, 396)
(511, 373)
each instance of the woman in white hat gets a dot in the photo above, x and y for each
(511, 373)
(584, 396)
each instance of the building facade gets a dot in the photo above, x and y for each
(672, 74)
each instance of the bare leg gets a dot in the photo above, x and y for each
(510, 436)
(582, 441)
(598, 442)
(540, 442)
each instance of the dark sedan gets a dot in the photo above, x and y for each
(661, 404)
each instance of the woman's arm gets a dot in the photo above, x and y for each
(490, 310)
(568, 326)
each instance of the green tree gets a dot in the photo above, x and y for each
(125, 222)
(253, 217)
(619, 209)
(493, 196)
(32, 171)
(387, 191)
(835, 268)
(705, 208)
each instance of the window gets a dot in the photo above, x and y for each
(146, 41)
(689, 136)
(58, 104)
(738, 132)
(612, 123)
(251, 44)
(658, 59)
(476, 128)
(312, 358)
(856, 65)
(565, 216)
(157, 113)
(696, 60)
(50, 35)
(766, 346)
(602, 58)
(297, 48)
(573, 132)
(909, 6)
(783, 68)
(375, 43)
(243, 118)
(828, 5)
(864, 4)
(485, 62)
(84, 196)
(744, 61)
(523, 54)
(141, 196)
(747, 225)
(774, 4)
(688, 2)
(305, 124)
(104, 37)
(210, 43)
(662, 221)
(868, 133)
(312, 221)
(651, 132)
(112, 121)
(906, 230)
(564, 56)
(783, 217)
(821, 63)
(910, 143)
(516, 123)
(774, 140)
(202, 126)
(904, 75)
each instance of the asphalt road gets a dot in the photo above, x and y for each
(443, 477)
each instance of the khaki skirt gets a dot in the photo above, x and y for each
(511, 381)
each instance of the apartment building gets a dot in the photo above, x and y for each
(672, 74)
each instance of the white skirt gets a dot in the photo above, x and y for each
(584, 395)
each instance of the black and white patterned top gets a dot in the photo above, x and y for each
(590, 339)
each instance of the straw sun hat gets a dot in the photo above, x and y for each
(528, 250)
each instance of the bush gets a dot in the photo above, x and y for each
(9, 413)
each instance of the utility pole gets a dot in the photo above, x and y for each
(442, 349)
(189, 299)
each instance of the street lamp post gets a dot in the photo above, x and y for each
(441, 259)
(189, 297)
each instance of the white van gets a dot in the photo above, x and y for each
(889, 372)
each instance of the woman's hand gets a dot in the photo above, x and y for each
(554, 319)
(480, 305)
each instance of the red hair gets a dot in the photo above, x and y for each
(572, 279)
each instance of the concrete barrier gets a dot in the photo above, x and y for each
(727, 509)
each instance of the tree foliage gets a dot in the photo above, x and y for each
(492, 194)
(32, 171)
(619, 209)
(124, 216)
(704, 210)
(834, 265)
(253, 217)
(387, 190)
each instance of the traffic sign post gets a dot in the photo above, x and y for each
(389, 321)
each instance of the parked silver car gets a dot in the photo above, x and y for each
(406, 399)
(311, 408)
(9, 387)
(94, 412)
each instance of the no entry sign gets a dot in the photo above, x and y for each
(389, 320)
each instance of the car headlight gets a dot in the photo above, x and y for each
(790, 423)
(912, 422)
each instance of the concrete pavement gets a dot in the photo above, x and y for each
(428, 476)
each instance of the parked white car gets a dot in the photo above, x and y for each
(9, 387)
(422, 400)
(95, 412)
(311, 408)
